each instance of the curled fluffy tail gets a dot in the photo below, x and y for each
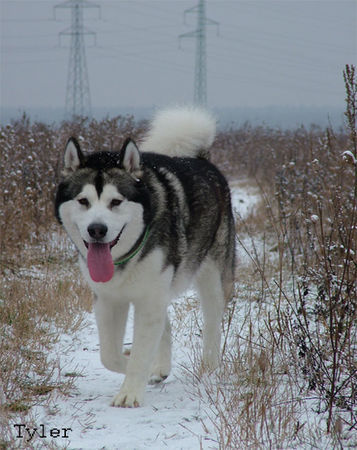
(180, 132)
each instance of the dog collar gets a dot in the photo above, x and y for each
(136, 250)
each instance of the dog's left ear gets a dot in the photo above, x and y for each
(130, 158)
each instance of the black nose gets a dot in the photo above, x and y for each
(97, 230)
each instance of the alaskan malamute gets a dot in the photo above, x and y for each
(147, 223)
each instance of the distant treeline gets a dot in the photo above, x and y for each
(284, 117)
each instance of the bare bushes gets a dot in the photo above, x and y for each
(317, 209)
(261, 152)
(27, 176)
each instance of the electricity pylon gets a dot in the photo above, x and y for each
(200, 80)
(78, 102)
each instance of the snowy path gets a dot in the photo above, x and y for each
(163, 422)
(171, 418)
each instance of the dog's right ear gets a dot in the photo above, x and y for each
(73, 156)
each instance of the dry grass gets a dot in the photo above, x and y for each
(262, 397)
(38, 302)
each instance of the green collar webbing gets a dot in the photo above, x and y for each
(136, 249)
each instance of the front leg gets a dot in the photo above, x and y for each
(111, 321)
(149, 323)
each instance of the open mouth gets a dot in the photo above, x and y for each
(99, 259)
(111, 244)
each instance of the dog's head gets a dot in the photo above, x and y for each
(103, 204)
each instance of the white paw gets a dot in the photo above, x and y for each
(161, 369)
(127, 398)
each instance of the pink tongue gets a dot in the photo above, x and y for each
(100, 263)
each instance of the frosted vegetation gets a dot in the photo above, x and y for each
(288, 377)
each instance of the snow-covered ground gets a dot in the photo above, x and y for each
(168, 419)
(171, 418)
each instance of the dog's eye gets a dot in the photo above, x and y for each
(115, 202)
(83, 201)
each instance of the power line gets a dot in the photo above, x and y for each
(200, 80)
(78, 101)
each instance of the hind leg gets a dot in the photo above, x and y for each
(210, 289)
(162, 363)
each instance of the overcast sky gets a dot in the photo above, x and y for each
(266, 52)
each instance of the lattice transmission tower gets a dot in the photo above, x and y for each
(200, 79)
(78, 101)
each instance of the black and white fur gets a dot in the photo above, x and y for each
(185, 202)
